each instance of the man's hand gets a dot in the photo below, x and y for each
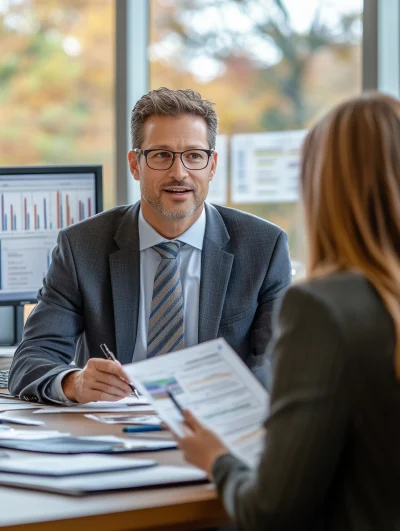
(200, 446)
(99, 380)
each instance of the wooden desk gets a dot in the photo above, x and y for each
(156, 509)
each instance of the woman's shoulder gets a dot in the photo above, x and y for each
(348, 297)
(336, 286)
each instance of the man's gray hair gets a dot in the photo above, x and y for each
(168, 102)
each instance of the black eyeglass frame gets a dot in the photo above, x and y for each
(145, 152)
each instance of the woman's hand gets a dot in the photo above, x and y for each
(200, 446)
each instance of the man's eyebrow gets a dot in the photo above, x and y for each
(163, 146)
(159, 146)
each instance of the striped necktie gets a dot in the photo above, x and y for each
(166, 332)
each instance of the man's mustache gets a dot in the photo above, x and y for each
(184, 184)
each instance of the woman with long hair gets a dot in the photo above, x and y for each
(331, 459)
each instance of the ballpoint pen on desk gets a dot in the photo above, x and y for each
(110, 356)
(174, 400)
(139, 429)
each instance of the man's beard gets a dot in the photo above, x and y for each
(176, 213)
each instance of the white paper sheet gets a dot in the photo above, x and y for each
(124, 405)
(146, 420)
(4, 419)
(30, 434)
(212, 381)
(11, 406)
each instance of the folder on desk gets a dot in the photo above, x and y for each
(157, 476)
(71, 465)
(86, 445)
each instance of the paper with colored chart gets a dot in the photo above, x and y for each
(213, 382)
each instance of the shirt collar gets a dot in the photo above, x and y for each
(194, 236)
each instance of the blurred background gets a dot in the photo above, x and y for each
(271, 67)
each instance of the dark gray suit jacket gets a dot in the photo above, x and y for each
(91, 293)
(332, 453)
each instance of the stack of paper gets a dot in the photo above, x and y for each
(10, 433)
(62, 444)
(71, 465)
(82, 484)
(9, 404)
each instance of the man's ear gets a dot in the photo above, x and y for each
(214, 160)
(133, 165)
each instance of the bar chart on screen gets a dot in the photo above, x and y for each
(44, 210)
(34, 207)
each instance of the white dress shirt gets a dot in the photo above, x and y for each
(190, 270)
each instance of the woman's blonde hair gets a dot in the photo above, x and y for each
(351, 192)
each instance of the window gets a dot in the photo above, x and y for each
(272, 67)
(56, 84)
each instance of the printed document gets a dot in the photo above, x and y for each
(213, 382)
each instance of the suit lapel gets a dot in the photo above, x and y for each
(216, 265)
(125, 282)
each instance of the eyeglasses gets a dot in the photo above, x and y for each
(163, 159)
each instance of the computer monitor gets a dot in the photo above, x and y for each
(35, 203)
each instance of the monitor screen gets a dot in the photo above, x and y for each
(35, 203)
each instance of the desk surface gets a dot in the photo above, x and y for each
(178, 508)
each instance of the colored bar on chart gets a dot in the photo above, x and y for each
(35, 216)
(44, 214)
(68, 210)
(5, 221)
(25, 214)
(15, 221)
(48, 259)
(80, 210)
(29, 221)
(38, 222)
(61, 213)
(58, 211)
(2, 213)
(12, 217)
(89, 207)
(83, 211)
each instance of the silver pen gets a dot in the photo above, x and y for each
(110, 356)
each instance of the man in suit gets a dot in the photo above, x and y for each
(168, 272)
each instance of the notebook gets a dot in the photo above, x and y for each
(71, 465)
(81, 485)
